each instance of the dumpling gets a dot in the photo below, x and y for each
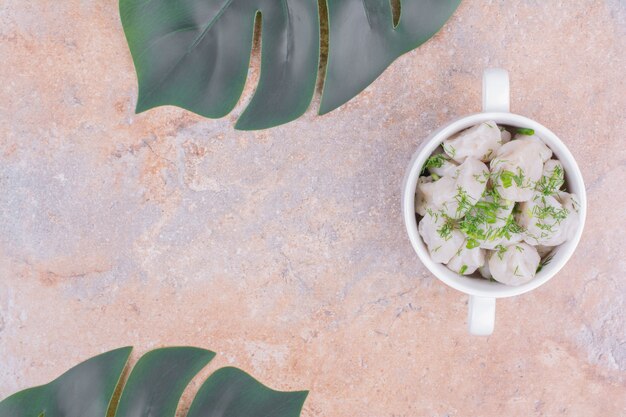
(471, 181)
(515, 264)
(478, 142)
(505, 136)
(549, 220)
(423, 193)
(466, 261)
(440, 236)
(544, 152)
(544, 251)
(453, 196)
(552, 177)
(484, 270)
(433, 194)
(490, 222)
(518, 165)
(569, 201)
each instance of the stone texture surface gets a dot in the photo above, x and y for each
(284, 250)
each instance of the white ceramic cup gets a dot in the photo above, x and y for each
(483, 293)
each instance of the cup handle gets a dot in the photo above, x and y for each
(481, 315)
(496, 90)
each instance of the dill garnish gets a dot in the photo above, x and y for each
(501, 251)
(547, 215)
(553, 183)
(449, 149)
(481, 221)
(463, 200)
(435, 161)
(445, 231)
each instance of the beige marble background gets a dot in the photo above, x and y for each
(284, 250)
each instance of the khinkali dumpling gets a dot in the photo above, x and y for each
(505, 136)
(544, 251)
(484, 271)
(465, 261)
(549, 220)
(544, 152)
(453, 196)
(433, 194)
(515, 264)
(478, 142)
(441, 237)
(471, 181)
(517, 166)
(552, 177)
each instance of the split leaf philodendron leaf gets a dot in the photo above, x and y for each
(85, 390)
(195, 53)
(153, 388)
(236, 394)
(363, 41)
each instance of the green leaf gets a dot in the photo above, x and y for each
(83, 391)
(153, 389)
(230, 392)
(195, 53)
(363, 41)
(525, 131)
(159, 379)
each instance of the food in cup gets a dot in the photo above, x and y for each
(492, 203)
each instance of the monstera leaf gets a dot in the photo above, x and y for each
(195, 53)
(153, 389)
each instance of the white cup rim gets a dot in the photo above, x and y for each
(479, 287)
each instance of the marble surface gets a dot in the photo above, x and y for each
(283, 250)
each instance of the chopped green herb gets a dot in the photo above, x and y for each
(507, 178)
(477, 224)
(463, 200)
(550, 185)
(435, 161)
(435, 176)
(450, 150)
(463, 269)
(501, 251)
(483, 177)
(472, 243)
(525, 131)
(487, 155)
(445, 231)
(510, 228)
